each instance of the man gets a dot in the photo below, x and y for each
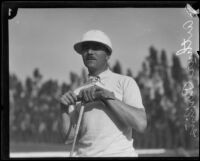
(113, 103)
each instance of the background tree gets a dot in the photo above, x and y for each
(75, 80)
(153, 60)
(129, 72)
(64, 88)
(37, 77)
(117, 68)
(164, 61)
(165, 75)
(29, 86)
(83, 75)
(177, 70)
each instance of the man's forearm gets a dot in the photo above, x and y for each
(66, 124)
(131, 116)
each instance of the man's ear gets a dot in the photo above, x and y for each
(107, 57)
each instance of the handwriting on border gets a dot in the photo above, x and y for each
(188, 88)
(186, 43)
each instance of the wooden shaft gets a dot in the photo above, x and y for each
(77, 129)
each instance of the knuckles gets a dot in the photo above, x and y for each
(89, 94)
(66, 98)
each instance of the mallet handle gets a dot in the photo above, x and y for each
(77, 128)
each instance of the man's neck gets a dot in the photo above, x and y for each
(97, 72)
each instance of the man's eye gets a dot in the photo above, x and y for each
(92, 47)
(96, 47)
(84, 47)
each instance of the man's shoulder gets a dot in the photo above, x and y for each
(124, 80)
(122, 77)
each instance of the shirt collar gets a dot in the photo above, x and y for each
(102, 75)
(105, 74)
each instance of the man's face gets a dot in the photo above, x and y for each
(94, 56)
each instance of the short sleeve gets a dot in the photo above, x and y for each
(131, 93)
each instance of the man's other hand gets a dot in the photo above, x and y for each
(95, 93)
(68, 98)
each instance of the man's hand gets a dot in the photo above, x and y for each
(95, 93)
(68, 98)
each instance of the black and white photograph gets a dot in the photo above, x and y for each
(103, 82)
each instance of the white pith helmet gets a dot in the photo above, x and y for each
(94, 36)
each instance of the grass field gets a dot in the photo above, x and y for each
(47, 150)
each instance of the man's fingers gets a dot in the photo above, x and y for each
(99, 94)
(93, 90)
(81, 94)
(74, 96)
(65, 100)
(70, 97)
(97, 88)
(85, 95)
(89, 94)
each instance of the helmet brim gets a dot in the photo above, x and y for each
(79, 46)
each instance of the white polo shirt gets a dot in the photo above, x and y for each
(101, 133)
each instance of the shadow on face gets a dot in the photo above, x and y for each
(95, 55)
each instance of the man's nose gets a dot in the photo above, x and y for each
(90, 51)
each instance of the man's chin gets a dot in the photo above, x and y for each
(91, 65)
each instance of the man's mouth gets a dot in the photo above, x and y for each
(90, 58)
